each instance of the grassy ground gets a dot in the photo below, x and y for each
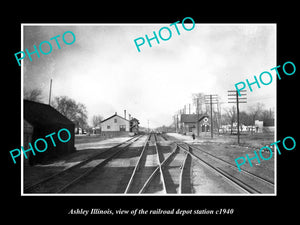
(230, 152)
(226, 147)
(257, 140)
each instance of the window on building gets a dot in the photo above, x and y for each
(122, 127)
(108, 127)
(191, 127)
(116, 120)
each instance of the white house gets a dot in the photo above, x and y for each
(115, 123)
(259, 126)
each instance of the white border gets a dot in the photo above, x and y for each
(139, 24)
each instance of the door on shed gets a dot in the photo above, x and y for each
(122, 127)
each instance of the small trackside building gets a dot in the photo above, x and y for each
(188, 123)
(115, 125)
(41, 120)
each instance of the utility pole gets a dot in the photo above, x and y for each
(238, 117)
(50, 91)
(212, 127)
(174, 117)
(233, 97)
(220, 113)
(211, 99)
(197, 108)
(177, 123)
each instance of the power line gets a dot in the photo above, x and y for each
(213, 99)
(50, 91)
(237, 100)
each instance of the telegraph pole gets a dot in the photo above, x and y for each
(213, 99)
(220, 113)
(177, 123)
(233, 97)
(197, 116)
(238, 116)
(211, 120)
(50, 91)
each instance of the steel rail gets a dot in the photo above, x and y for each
(242, 186)
(159, 165)
(154, 173)
(31, 188)
(137, 166)
(183, 165)
(101, 164)
(233, 166)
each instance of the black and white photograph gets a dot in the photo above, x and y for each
(149, 109)
(188, 115)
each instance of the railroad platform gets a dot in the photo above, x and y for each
(38, 172)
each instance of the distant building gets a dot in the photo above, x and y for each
(269, 126)
(265, 126)
(188, 123)
(41, 120)
(115, 123)
(134, 125)
(258, 126)
(96, 130)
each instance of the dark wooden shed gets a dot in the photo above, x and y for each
(41, 120)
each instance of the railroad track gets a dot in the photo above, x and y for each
(151, 165)
(244, 181)
(251, 182)
(166, 176)
(148, 164)
(216, 173)
(61, 181)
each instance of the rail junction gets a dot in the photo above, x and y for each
(153, 164)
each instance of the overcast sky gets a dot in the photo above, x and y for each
(104, 70)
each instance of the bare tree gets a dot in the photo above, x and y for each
(201, 101)
(230, 116)
(33, 95)
(267, 114)
(255, 111)
(216, 122)
(74, 111)
(97, 120)
(245, 118)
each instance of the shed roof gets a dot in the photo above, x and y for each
(191, 118)
(113, 117)
(41, 114)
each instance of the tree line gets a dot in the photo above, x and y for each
(74, 111)
(227, 116)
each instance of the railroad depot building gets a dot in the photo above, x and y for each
(41, 120)
(116, 125)
(188, 123)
